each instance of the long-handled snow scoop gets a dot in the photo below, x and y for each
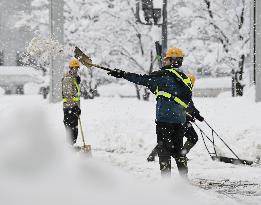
(86, 147)
(86, 60)
(214, 155)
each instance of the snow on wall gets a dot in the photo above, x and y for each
(19, 74)
(222, 82)
(19, 70)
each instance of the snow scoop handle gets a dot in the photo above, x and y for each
(101, 67)
(80, 122)
(213, 131)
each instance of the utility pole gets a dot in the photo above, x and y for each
(56, 22)
(164, 28)
(256, 46)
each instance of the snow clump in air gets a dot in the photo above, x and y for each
(42, 48)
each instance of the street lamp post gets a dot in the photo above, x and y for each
(56, 22)
(152, 16)
(164, 28)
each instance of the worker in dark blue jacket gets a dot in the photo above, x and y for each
(190, 133)
(192, 114)
(173, 90)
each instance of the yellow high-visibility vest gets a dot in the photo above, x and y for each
(170, 96)
(77, 98)
(186, 81)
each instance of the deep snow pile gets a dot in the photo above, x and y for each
(38, 167)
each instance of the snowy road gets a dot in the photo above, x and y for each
(232, 181)
(242, 132)
(122, 133)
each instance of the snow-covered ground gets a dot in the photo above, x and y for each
(37, 167)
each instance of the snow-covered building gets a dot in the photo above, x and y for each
(13, 78)
(13, 39)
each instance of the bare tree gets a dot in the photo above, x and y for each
(235, 39)
(130, 41)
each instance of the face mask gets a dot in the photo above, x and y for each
(73, 71)
(177, 62)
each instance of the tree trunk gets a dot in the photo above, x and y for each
(137, 91)
(146, 94)
(239, 76)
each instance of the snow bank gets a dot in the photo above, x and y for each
(38, 168)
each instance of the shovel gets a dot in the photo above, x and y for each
(86, 60)
(86, 147)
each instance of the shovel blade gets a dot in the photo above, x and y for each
(87, 149)
(231, 160)
(82, 57)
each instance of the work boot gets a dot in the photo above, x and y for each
(187, 147)
(181, 162)
(151, 158)
(152, 155)
(165, 167)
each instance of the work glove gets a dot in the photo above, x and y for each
(78, 79)
(200, 118)
(190, 118)
(117, 73)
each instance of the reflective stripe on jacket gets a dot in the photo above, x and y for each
(167, 110)
(170, 96)
(175, 98)
(70, 91)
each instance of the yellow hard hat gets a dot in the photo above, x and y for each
(74, 63)
(174, 53)
(192, 78)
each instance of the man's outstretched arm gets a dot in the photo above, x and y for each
(145, 80)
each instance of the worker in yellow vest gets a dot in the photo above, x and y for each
(71, 100)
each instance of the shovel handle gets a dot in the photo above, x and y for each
(86, 60)
(101, 67)
(80, 122)
(213, 131)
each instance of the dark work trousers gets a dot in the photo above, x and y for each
(190, 133)
(71, 124)
(170, 143)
